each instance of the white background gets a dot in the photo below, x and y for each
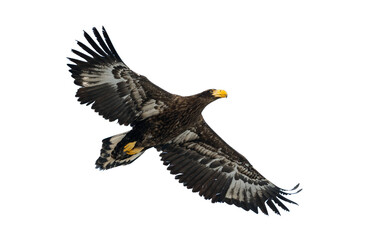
(299, 78)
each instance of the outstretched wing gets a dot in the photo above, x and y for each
(203, 162)
(114, 90)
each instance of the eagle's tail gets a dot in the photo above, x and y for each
(106, 159)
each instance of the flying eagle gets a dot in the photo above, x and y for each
(172, 124)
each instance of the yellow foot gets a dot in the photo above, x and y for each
(134, 150)
(129, 146)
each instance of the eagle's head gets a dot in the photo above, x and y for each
(201, 100)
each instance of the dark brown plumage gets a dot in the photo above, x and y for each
(173, 124)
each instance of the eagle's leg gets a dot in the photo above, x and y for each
(135, 150)
(130, 148)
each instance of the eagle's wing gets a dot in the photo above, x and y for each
(202, 161)
(117, 93)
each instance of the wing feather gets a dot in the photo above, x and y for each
(88, 50)
(208, 165)
(93, 43)
(111, 47)
(114, 90)
(103, 44)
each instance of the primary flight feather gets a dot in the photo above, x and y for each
(172, 124)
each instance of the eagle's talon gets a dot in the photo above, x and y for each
(129, 147)
(134, 151)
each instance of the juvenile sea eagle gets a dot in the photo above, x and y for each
(173, 124)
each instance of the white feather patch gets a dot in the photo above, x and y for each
(99, 76)
(185, 137)
(151, 108)
(238, 189)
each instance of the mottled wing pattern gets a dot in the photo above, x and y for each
(203, 162)
(115, 91)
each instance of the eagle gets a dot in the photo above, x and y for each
(173, 125)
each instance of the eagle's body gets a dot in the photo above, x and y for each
(172, 124)
(181, 114)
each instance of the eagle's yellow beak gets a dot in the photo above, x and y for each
(219, 93)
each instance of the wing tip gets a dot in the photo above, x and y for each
(273, 200)
(292, 191)
(103, 29)
(104, 47)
